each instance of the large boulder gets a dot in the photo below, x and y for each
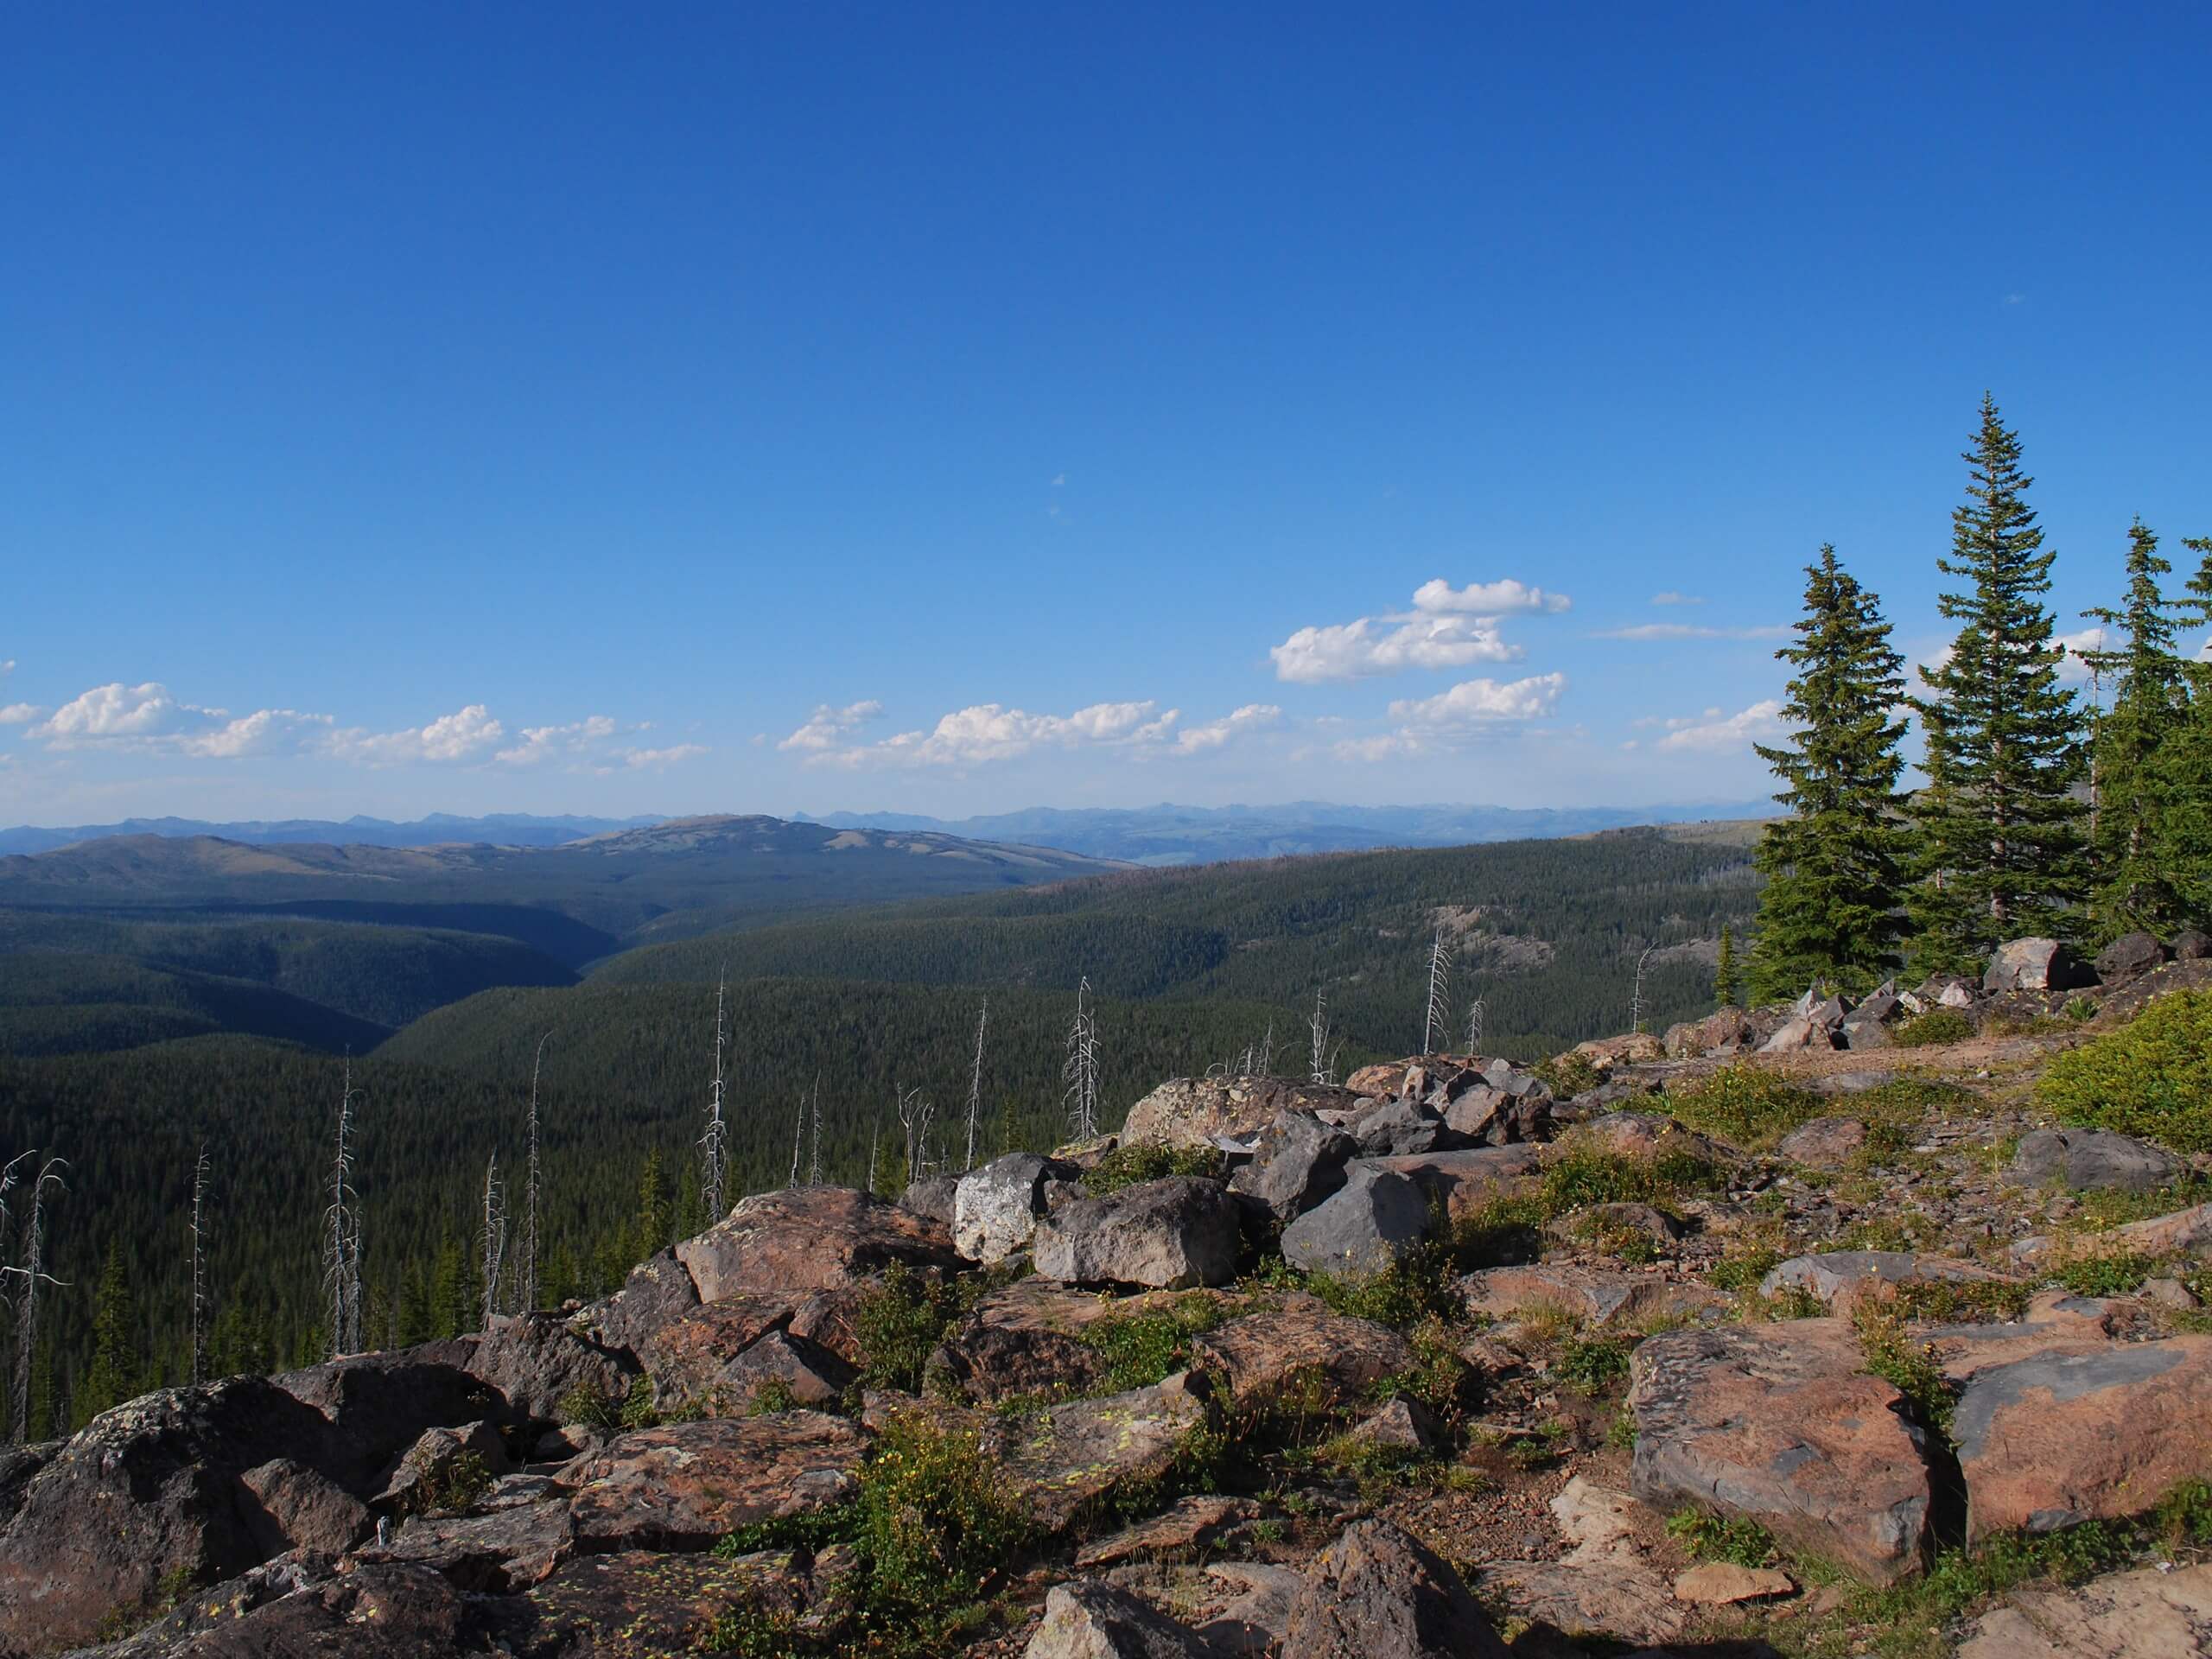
(502, 1551)
(1595, 1297)
(658, 1289)
(2129, 956)
(995, 1209)
(445, 1468)
(1374, 1221)
(1090, 1619)
(2093, 1161)
(1033, 1337)
(1460, 1183)
(1378, 1593)
(1397, 1126)
(2055, 1439)
(386, 1611)
(1782, 1425)
(1298, 1161)
(538, 1361)
(375, 1405)
(805, 1238)
(291, 1506)
(1264, 1354)
(146, 1492)
(2036, 965)
(1063, 1460)
(684, 1485)
(1169, 1234)
(685, 1356)
(1190, 1112)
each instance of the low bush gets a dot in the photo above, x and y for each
(2151, 1078)
(1907, 1366)
(1141, 1348)
(1128, 1165)
(1710, 1538)
(2119, 1273)
(899, 1323)
(1569, 1074)
(1935, 1027)
(1592, 1363)
(1744, 1106)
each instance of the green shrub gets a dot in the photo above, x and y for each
(1592, 1363)
(1944, 1301)
(2119, 1273)
(1140, 1349)
(1744, 1106)
(1569, 1074)
(898, 1323)
(1935, 1027)
(1710, 1538)
(1908, 1367)
(1412, 1288)
(936, 1519)
(458, 1484)
(1743, 1269)
(2183, 1517)
(1127, 1165)
(2151, 1078)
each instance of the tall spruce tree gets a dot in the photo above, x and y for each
(1726, 976)
(113, 1376)
(2135, 886)
(2183, 833)
(1830, 909)
(2001, 848)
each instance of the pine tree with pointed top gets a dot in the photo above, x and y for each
(2183, 833)
(1725, 979)
(1829, 910)
(2001, 845)
(113, 1375)
(2135, 885)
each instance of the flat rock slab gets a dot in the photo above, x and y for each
(1189, 1112)
(685, 1354)
(2057, 1438)
(1031, 1339)
(2089, 1160)
(807, 1238)
(1837, 1275)
(1781, 1424)
(1263, 1354)
(1826, 1143)
(1723, 1584)
(639, 1604)
(1595, 1297)
(1253, 1614)
(658, 1289)
(2146, 1615)
(1463, 1182)
(502, 1552)
(684, 1485)
(1202, 1521)
(2184, 1232)
(1063, 1458)
(1604, 1585)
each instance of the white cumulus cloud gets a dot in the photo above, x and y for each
(541, 744)
(1713, 730)
(1350, 650)
(20, 714)
(1486, 598)
(827, 728)
(1671, 597)
(1216, 734)
(467, 734)
(1474, 704)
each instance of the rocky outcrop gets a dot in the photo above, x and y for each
(1192, 1112)
(535, 1361)
(1604, 1585)
(1781, 1424)
(444, 1463)
(658, 1289)
(376, 1405)
(288, 1506)
(808, 1238)
(1063, 1459)
(1837, 1278)
(683, 1486)
(501, 1551)
(1377, 1591)
(1375, 1219)
(995, 1209)
(1169, 1234)
(2093, 1161)
(2128, 957)
(1089, 1619)
(1461, 1183)
(723, 1356)
(1595, 1297)
(614, 1606)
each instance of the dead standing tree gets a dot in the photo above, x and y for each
(201, 1169)
(1636, 996)
(915, 1115)
(28, 1276)
(975, 1083)
(526, 1269)
(1321, 1063)
(713, 1145)
(1436, 1021)
(1080, 1071)
(342, 1233)
(495, 1237)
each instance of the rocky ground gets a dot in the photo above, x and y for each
(1786, 1333)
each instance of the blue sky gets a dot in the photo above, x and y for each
(703, 407)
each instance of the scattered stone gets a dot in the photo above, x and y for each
(2191, 945)
(2150, 1614)
(2036, 965)
(2168, 1292)
(995, 1209)
(1255, 1618)
(797, 1239)
(1376, 1219)
(2057, 1438)
(1800, 1033)
(2093, 1161)
(1189, 1112)
(1086, 1619)
(1171, 1235)
(1826, 1143)
(1595, 1297)
(2129, 956)
(1838, 1277)
(1602, 1222)
(1204, 1521)
(1395, 1128)
(1463, 1182)
(684, 1485)
(1723, 1584)
(2184, 1232)
(1377, 1592)
(1403, 1425)
(1261, 1355)
(1783, 1425)
(1297, 1162)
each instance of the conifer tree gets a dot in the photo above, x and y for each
(1829, 910)
(2183, 834)
(113, 1376)
(1725, 983)
(2134, 882)
(2001, 845)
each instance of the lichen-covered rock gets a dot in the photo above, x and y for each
(995, 1209)
(683, 1486)
(1783, 1425)
(1377, 1592)
(1375, 1219)
(2093, 1161)
(501, 1552)
(931, 1196)
(1090, 1619)
(658, 1289)
(1169, 1234)
(1829, 1144)
(1190, 1112)
(686, 1355)
(1061, 1459)
(799, 1239)
(1204, 1521)
(1263, 1356)
(1838, 1277)
(1297, 1162)
(634, 1604)
(2052, 1439)
(1033, 1337)
(535, 1361)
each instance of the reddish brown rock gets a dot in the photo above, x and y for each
(1204, 1522)
(2053, 1440)
(1065, 1459)
(830, 1318)
(634, 1604)
(1594, 1296)
(1377, 1591)
(537, 1361)
(800, 1239)
(658, 1290)
(502, 1552)
(1839, 1278)
(1645, 1136)
(1032, 1337)
(2152, 1614)
(291, 1506)
(684, 1485)
(685, 1356)
(1781, 1424)
(1189, 1112)
(1262, 1356)
(1723, 1584)
(1826, 1143)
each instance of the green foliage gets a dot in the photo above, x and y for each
(2118, 1273)
(1412, 1288)
(2151, 1078)
(464, 1479)
(2183, 1517)
(899, 1323)
(1592, 1363)
(1128, 1165)
(1569, 1074)
(1744, 1105)
(1743, 1269)
(1727, 979)
(936, 1519)
(114, 1374)
(772, 1396)
(1829, 910)
(1711, 1538)
(1937, 1026)
(1140, 1349)
(1944, 1301)
(1907, 1366)
(1999, 825)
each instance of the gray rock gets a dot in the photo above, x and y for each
(1829, 1276)
(537, 1360)
(1374, 1220)
(1171, 1235)
(2129, 956)
(1399, 1126)
(1190, 1111)
(1856, 1034)
(291, 1506)
(659, 1289)
(931, 1197)
(442, 1465)
(2191, 945)
(995, 1209)
(1826, 1143)
(2094, 1160)
(1299, 1161)
(2035, 965)
(1800, 1033)
(1377, 1593)
(1403, 1425)
(1090, 1619)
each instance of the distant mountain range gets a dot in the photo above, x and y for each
(1169, 834)
(500, 829)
